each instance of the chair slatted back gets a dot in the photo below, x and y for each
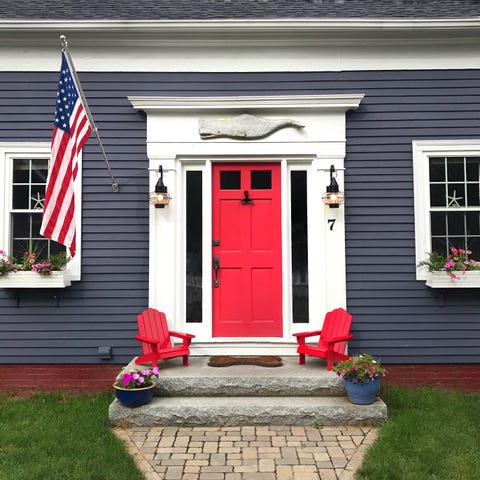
(153, 324)
(336, 324)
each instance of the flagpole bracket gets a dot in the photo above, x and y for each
(63, 41)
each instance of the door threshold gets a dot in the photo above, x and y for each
(243, 348)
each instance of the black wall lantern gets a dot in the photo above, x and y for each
(333, 197)
(160, 197)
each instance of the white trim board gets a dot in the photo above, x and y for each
(243, 46)
(173, 141)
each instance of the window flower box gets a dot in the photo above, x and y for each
(57, 279)
(468, 279)
(457, 270)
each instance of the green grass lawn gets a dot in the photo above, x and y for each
(430, 435)
(60, 437)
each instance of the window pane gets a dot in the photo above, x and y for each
(473, 169)
(40, 247)
(20, 200)
(261, 179)
(473, 195)
(55, 248)
(440, 245)
(21, 170)
(39, 170)
(456, 194)
(37, 197)
(437, 169)
(21, 225)
(230, 180)
(437, 196)
(36, 224)
(455, 169)
(438, 226)
(474, 246)
(473, 223)
(456, 224)
(194, 247)
(299, 246)
(457, 242)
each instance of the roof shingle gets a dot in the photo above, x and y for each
(235, 9)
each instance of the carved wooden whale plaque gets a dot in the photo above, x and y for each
(243, 127)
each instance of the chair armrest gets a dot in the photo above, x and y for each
(339, 339)
(141, 338)
(181, 335)
(307, 334)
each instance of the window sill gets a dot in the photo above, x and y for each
(443, 280)
(58, 279)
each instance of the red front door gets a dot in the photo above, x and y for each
(247, 250)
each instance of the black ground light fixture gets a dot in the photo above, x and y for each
(333, 197)
(160, 197)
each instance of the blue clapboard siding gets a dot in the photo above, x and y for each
(395, 316)
(100, 310)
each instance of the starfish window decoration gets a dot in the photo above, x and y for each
(37, 202)
(454, 200)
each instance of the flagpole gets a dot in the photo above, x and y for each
(63, 39)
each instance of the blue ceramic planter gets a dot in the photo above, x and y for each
(134, 398)
(362, 393)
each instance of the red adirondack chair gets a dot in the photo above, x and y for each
(156, 342)
(333, 339)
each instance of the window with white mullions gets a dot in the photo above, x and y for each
(29, 178)
(454, 183)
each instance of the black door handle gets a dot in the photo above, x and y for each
(216, 266)
(246, 200)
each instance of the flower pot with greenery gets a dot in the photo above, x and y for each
(31, 272)
(134, 388)
(361, 378)
(455, 270)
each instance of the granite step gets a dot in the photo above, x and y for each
(234, 411)
(291, 379)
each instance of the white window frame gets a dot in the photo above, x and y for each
(15, 150)
(422, 151)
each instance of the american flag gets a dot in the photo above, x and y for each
(71, 130)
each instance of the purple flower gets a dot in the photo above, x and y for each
(126, 379)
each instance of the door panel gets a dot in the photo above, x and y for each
(247, 287)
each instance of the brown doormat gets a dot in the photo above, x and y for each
(228, 361)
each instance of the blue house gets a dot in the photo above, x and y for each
(248, 111)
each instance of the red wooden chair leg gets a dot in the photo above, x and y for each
(301, 359)
(185, 360)
(329, 361)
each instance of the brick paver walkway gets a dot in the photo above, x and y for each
(247, 453)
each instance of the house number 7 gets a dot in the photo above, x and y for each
(332, 222)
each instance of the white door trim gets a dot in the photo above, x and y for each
(174, 142)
